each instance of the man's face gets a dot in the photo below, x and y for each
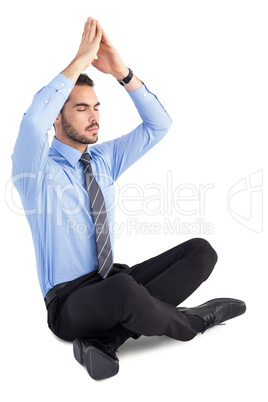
(80, 116)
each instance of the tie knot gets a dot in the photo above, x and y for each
(85, 158)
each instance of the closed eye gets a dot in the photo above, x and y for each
(83, 110)
(83, 106)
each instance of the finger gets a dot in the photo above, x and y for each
(88, 29)
(92, 30)
(94, 63)
(98, 34)
(85, 29)
(99, 30)
(105, 39)
(85, 32)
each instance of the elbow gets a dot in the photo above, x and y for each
(29, 121)
(167, 124)
(159, 131)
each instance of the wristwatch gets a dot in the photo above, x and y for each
(127, 79)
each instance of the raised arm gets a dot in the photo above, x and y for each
(31, 148)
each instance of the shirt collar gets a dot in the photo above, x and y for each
(71, 154)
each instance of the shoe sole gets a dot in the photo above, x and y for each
(98, 364)
(77, 352)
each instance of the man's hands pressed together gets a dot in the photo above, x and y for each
(87, 51)
(90, 42)
(109, 60)
(95, 43)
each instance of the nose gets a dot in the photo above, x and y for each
(93, 115)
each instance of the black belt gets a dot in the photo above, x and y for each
(90, 278)
(52, 293)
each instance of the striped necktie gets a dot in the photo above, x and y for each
(105, 256)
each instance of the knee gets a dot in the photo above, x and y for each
(208, 251)
(207, 256)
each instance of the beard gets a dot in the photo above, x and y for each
(76, 135)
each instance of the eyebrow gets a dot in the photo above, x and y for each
(86, 105)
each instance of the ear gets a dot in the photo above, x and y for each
(58, 120)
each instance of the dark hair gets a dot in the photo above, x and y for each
(84, 79)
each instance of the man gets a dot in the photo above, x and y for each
(90, 299)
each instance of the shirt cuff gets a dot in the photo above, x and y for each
(141, 96)
(62, 84)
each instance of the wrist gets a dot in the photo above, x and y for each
(120, 75)
(74, 69)
(127, 79)
(79, 64)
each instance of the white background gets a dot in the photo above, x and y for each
(207, 62)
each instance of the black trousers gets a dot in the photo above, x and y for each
(134, 301)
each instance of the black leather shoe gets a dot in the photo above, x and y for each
(98, 356)
(216, 311)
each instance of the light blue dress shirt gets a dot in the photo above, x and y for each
(51, 181)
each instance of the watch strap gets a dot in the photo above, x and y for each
(126, 79)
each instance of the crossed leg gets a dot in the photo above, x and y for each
(142, 300)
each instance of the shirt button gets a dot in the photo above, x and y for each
(62, 84)
(144, 95)
(69, 89)
(46, 101)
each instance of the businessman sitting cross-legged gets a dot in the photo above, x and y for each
(91, 300)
